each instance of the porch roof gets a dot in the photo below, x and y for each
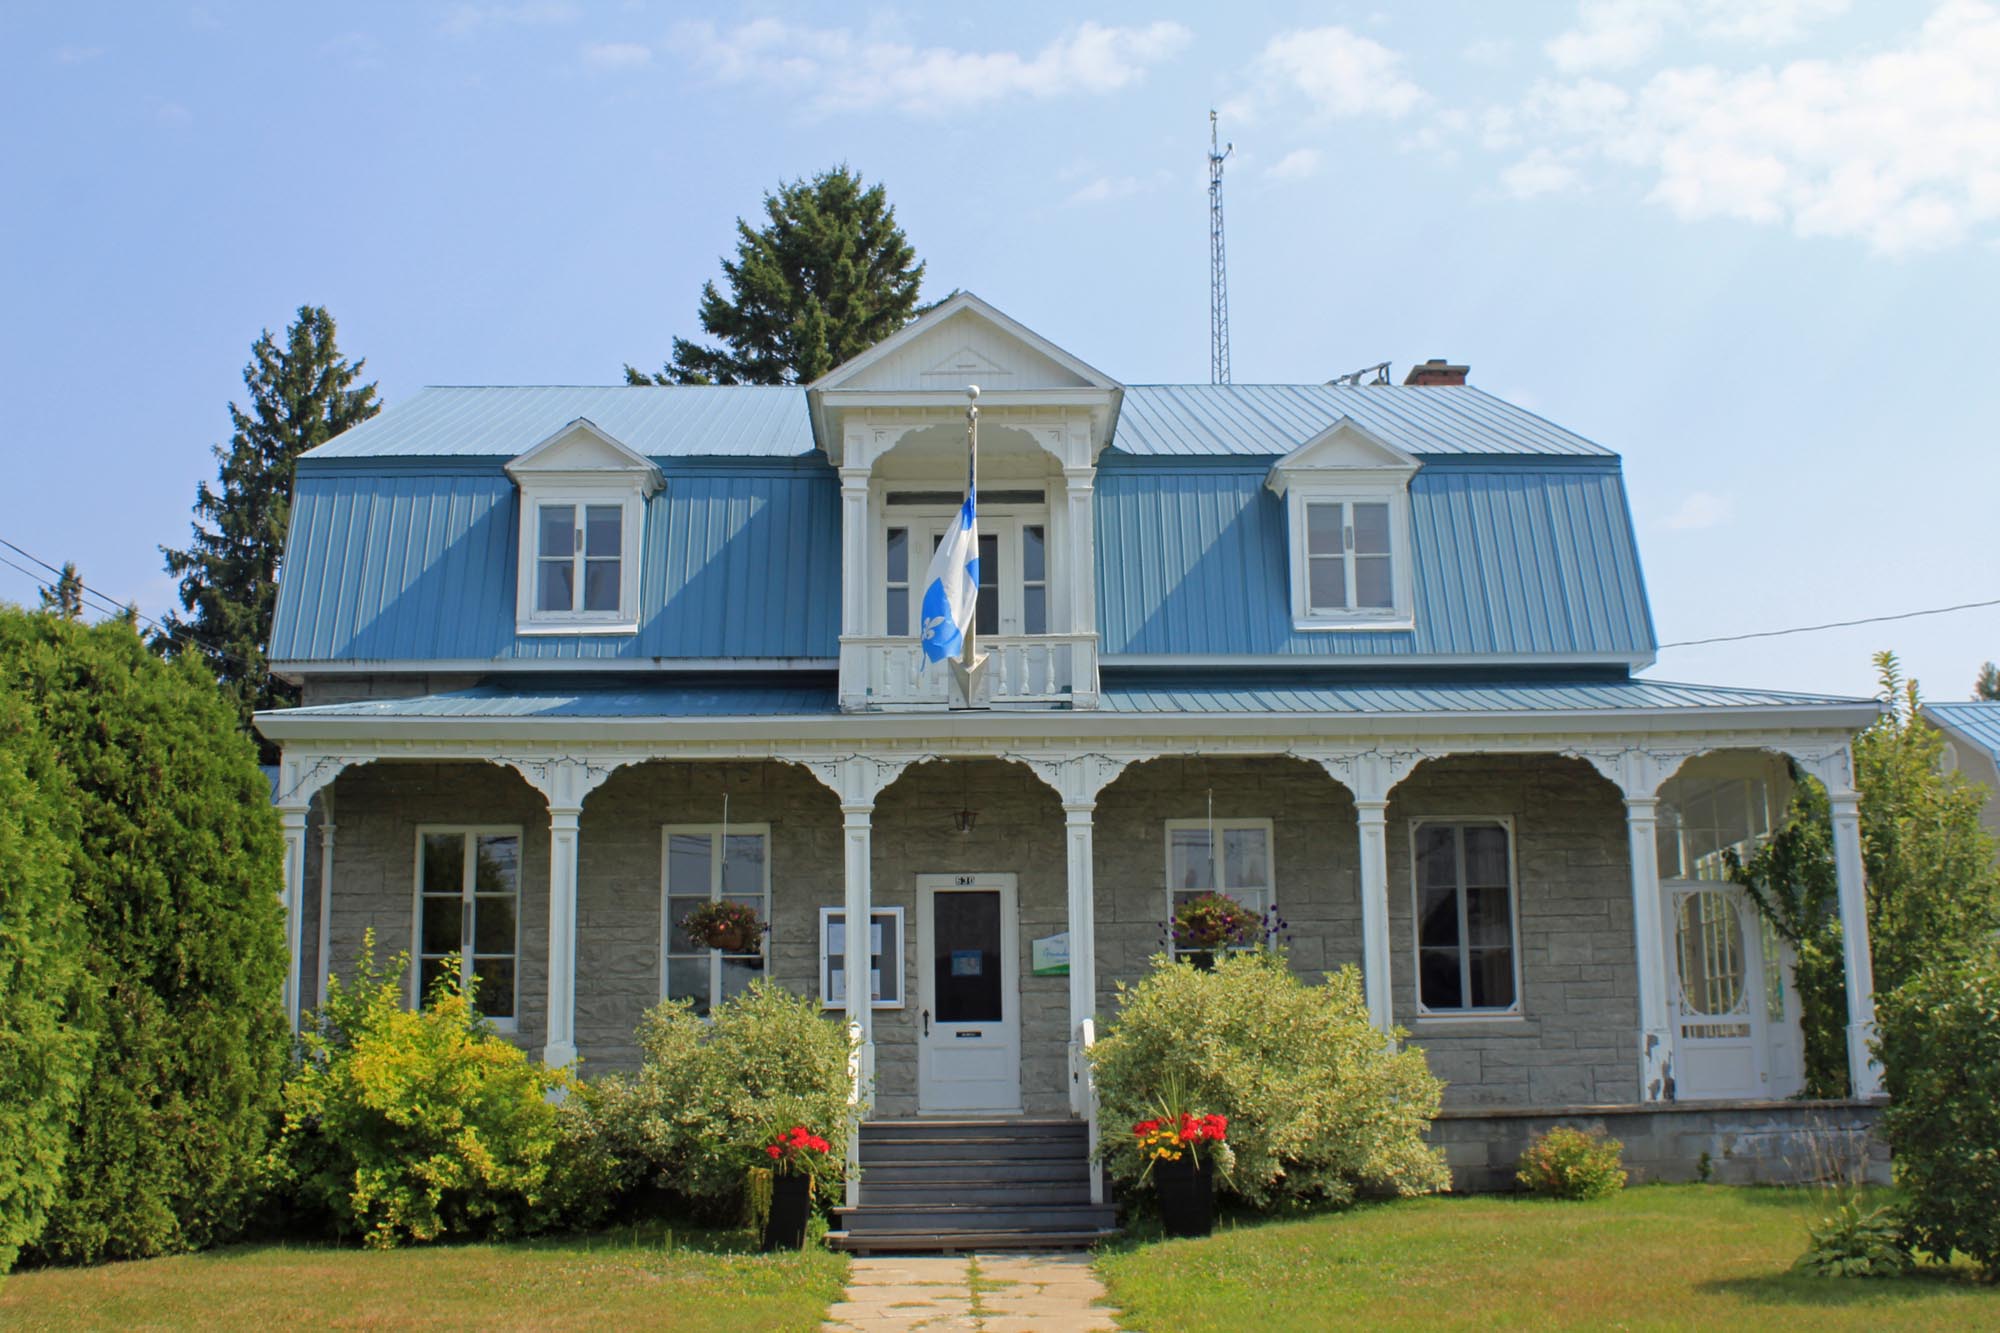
(1194, 695)
(1976, 723)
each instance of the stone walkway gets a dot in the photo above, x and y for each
(990, 1293)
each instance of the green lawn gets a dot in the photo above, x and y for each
(690, 1282)
(1662, 1256)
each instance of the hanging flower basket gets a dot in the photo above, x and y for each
(1215, 921)
(732, 927)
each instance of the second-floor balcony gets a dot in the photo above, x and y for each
(1051, 670)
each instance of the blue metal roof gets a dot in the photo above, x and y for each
(1977, 721)
(415, 564)
(737, 421)
(1211, 696)
(585, 699)
(1271, 420)
(1509, 559)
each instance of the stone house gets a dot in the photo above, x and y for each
(576, 660)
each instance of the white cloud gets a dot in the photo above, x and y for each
(1102, 189)
(617, 55)
(1341, 73)
(1899, 147)
(1616, 34)
(1699, 510)
(463, 20)
(1297, 165)
(840, 71)
(1540, 172)
(1488, 52)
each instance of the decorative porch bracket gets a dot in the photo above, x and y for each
(301, 776)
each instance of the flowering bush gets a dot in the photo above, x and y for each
(1215, 921)
(724, 925)
(1319, 1104)
(1565, 1163)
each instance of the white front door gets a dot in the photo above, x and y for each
(1716, 976)
(968, 995)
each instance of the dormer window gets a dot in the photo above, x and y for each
(583, 511)
(1348, 515)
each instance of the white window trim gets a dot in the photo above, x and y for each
(536, 492)
(1402, 583)
(890, 914)
(1513, 1012)
(413, 986)
(1004, 519)
(1221, 826)
(715, 956)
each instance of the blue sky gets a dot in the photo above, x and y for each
(1750, 244)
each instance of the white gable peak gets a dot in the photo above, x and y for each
(1348, 450)
(583, 448)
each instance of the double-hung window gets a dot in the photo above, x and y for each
(468, 907)
(1468, 954)
(708, 863)
(1229, 856)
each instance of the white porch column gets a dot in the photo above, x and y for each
(1372, 826)
(321, 966)
(1078, 841)
(854, 584)
(858, 842)
(560, 1045)
(1079, 487)
(293, 817)
(1656, 1045)
(1864, 1074)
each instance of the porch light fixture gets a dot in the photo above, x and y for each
(966, 816)
(965, 819)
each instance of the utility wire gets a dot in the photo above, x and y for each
(92, 605)
(1832, 624)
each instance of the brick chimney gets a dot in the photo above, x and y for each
(1435, 371)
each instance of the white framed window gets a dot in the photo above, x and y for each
(702, 863)
(1234, 857)
(885, 957)
(468, 901)
(1465, 917)
(1350, 558)
(1016, 584)
(580, 561)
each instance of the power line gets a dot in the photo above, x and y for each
(94, 606)
(1832, 624)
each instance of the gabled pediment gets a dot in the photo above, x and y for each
(1344, 450)
(583, 448)
(958, 343)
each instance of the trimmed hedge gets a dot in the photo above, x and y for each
(178, 864)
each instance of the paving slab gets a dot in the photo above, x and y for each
(1019, 1292)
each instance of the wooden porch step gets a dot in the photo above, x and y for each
(959, 1218)
(878, 1193)
(1064, 1170)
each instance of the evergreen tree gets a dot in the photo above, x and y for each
(176, 858)
(1988, 684)
(303, 392)
(828, 276)
(65, 595)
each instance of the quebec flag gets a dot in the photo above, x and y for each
(951, 588)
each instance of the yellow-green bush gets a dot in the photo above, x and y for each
(1319, 1104)
(420, 1125)
(1566, 1163)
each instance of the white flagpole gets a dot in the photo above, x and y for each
(969, 665)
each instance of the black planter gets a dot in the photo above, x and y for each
(1187, 1195)
(791, 1206)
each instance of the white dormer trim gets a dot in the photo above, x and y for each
(962, 303)
(583, 466)
(1347, 465)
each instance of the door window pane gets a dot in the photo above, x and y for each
(1713, 970)
(965, 932)
(897, 567)
(1034, 580)
(987, 614)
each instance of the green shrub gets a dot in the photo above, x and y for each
(712, 1092)
(418, 1125)
(1856, 1241)
(175, 880)
(1940, 1051)
(1565, 1163)
(1319, 1104)
(44, 1053)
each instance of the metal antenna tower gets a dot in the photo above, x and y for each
(1218, 267)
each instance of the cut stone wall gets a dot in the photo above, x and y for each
(1573, 1044)
(1733, 1143)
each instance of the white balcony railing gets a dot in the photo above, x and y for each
(881, 672)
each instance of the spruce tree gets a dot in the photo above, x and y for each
(65, 595)
(827, 276)
(1988, 684)
(303, 392)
